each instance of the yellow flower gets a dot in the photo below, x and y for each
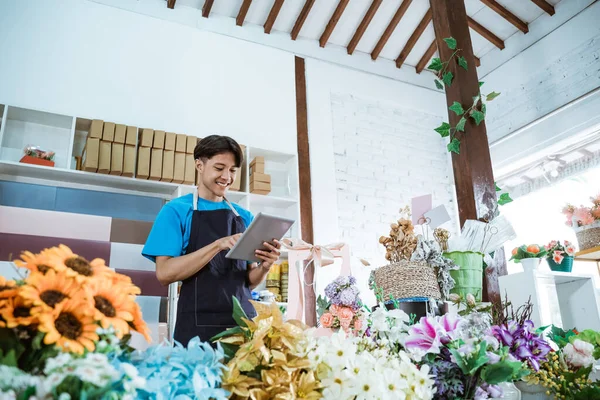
(72, 328)
(138, 324)
(75, 266)
(46, 292)
(16, 312)
(112, 305)
(8, 289)
(306, 386)
(38, 262)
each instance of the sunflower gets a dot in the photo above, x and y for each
(72, 328)
(16, 312)
(8, 289)
(138, 324)
(38, 262)
(46, 292)
(75, 266)
(112, 305)
(123, 281)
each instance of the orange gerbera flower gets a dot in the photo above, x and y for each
(76, 266)
(138, 324)
(16, 312)
(72, 328)
(38, 262)
(8, 289)
(112, 305)
(47, 291)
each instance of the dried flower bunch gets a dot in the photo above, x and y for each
(402, 241)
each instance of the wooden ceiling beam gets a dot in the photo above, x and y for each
(390, 29)
(171, 4)
(412, 40)
(337, 14)
(301, 18)
(273, 15)
(206, 8)
(426, 57)
(507, 15)
(544, 5)
(360, 31)
(486, 33)
(239, 20)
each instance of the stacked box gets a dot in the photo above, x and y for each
(104, 155)
(190, 164)
(129, 154)
(283, 286)
(260, 183)
(168, 168)
(179, 158)
(118, 150)
(156, 156)
(145, 142)
(237, 183)
(273, 281)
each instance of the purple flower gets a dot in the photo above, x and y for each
(352, 280)
(493, 357)
(347, 297)
(480, 394)
(523, 343)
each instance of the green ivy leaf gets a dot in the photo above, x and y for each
(454, 146)
(463, 62)
(497, 187)
(481, 84)
(457, 108)
(447, 78)
(478, 116)
(443, 129)
(492, 96)
(438, 84)
(436, 64)
(483, 109)
(451, 42)
(504, 199)
(461, 124)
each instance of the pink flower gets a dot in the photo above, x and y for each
(567, 243)
(326, 320)
(579, 353)
(557, 258)
(358, 324)
(345, 325)
(424, 336)
(583, 216)
(596, 212)
(558, 252)
(334, 309)
(571, 250)
(345, 314)
(552, 244)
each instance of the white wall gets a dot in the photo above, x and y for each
(91, 60)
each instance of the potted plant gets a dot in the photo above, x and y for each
(585, 222)
(528, 255)
(560, 256)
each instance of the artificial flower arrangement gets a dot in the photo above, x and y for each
(558, 251)
(528, 251)
(341, 307)
(582, 215)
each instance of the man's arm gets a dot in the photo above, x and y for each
(258, 272)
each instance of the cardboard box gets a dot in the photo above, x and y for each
(104, 159)
(260, 187)
(168, 166)
(156, 164)
(258, 177)
(116, 164)
(96, 129)
(132, 135)
(237, 183)
(108, 133)
(181, 143)
(257, 165)
(170, 139)
(128, 161)
(146, 137)
(179, 168)
(192, 141)
(90, 154)
(190, 170)
(143, 163)
(120, 133)
(159, 140)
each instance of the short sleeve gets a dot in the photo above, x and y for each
(166, 236)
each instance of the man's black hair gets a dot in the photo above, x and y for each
(213, 145)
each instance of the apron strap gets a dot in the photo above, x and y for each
(195, 203)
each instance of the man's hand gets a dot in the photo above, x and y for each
(271, 256)
(228, 242)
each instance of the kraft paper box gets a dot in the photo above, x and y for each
(104, 158)
(90, 154)
(191, 144)
(260, 186)
(170, 139)
(146, 137)
(116, 164)
(179, 169)
(237, 183)
(132, 135)
(190, 170)
(120, 133)
(168, 166)
(180, 143)
(128, 160)
(258, 177)
(108, 133)
(156, 164)
(159, 140)
(257, 166)
(143, 164)
(96, 129)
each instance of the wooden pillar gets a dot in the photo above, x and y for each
(473, 175)
(306, 221)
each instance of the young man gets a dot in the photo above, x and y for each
(189, 241)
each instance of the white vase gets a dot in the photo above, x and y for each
(530, 264)
(510, 391)
(532, 392)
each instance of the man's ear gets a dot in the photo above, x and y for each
(200, 165)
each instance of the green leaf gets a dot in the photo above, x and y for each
(481, 84)
(504, 199)
(502, 371)
(460, 361)
(461, 124)
(483, 109)
(443, 129)
(447, 78)
(457, 108)
(231, 331)
(463, 62)
(497, 187)
(478, 116)
(454, 146)
(229, 350)
(436, 64)
(451, 42)
(492, 96)
(438, 84)
(239, 313)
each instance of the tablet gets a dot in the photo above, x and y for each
(264, 228)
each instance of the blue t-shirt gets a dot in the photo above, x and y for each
(170, 233)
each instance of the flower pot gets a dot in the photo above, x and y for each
(36, 161)
(588, 236)
(532, 392)
(469, 276)
(510, 391)
(530, 264)
(566, 265)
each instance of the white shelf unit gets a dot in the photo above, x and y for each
(564, 299)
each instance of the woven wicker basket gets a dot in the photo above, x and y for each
(588, 236)
(406, 279)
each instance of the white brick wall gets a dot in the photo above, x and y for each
(384, 156)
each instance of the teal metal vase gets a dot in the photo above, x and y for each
(565, 266)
